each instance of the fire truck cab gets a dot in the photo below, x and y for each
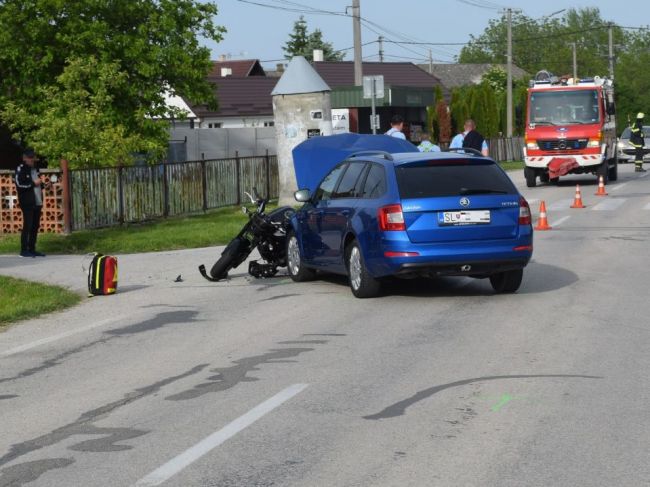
(570, 128)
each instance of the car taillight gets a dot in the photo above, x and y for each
(524, 212)
(390, 253)
(391, 218)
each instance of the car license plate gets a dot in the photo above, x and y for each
(470, 217)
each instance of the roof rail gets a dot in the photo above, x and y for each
(384, 154)
(466, 150)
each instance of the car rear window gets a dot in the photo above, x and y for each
(428, 180)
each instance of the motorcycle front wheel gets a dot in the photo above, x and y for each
(231, 257)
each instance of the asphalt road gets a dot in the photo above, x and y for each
(271, 383)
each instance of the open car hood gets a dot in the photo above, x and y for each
(315, 157)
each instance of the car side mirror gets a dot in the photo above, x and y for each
(302, 195)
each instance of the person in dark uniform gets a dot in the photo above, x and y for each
(637, 139)
(30, 196)
(470, 138)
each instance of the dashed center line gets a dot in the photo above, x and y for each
(189, 456)
(618, 186)
(610, 204)
(559, 221)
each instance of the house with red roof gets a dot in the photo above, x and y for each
(243, 90)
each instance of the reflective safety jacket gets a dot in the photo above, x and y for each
(636, 137)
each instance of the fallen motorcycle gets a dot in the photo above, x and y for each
(265, 232)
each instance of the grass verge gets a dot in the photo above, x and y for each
(20, 300)
(213, 228)
(512, 165)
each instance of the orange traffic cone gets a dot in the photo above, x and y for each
(577, 203)
(542, 223)
(601, 187)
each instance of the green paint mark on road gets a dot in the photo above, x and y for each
(505, 399)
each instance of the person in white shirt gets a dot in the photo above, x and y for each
(396, 126)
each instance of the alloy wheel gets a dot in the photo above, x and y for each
(293, 255)
(355, 267)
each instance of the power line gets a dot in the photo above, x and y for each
(482, 4)
(303, 10)
(408, 41)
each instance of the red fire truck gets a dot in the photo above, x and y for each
(570, 128)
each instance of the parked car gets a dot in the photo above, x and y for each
(626, 150)
(412, 214)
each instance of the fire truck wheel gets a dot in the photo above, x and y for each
(544, 177)
(531, 177)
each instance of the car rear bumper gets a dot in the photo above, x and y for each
(463, 268)
(448, 258)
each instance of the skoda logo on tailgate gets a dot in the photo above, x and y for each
(464, 202)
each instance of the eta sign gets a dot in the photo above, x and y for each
(340, 120)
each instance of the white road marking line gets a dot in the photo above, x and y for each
(531, 202)
(189, 456)
(644, 175)
(647, 207)
(559, 221)
(609, 204)
(560, 205)
(618, 186)
(44, 341)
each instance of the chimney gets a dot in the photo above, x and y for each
(318, 55)
(279, 67)
(226, 72)
(222, 58)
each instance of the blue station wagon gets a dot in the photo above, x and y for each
(377, 215)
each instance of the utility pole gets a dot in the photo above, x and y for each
(509, 81)
(356, 27)
(575, 63)
(611, 51)
(381, 48)
(430, 62)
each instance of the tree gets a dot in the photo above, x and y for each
(546, 43)
(298, 39)
(139, 49)
(80, 123)
(303, 43)
(444, 121)
(316, 42)
(496, 78)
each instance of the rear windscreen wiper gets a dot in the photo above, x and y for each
(465, 191)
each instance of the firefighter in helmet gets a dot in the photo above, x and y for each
(638, 141)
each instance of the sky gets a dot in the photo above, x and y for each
(258, 32)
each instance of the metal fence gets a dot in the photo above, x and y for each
(111, 196)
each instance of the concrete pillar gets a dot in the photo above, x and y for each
(302, 108)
